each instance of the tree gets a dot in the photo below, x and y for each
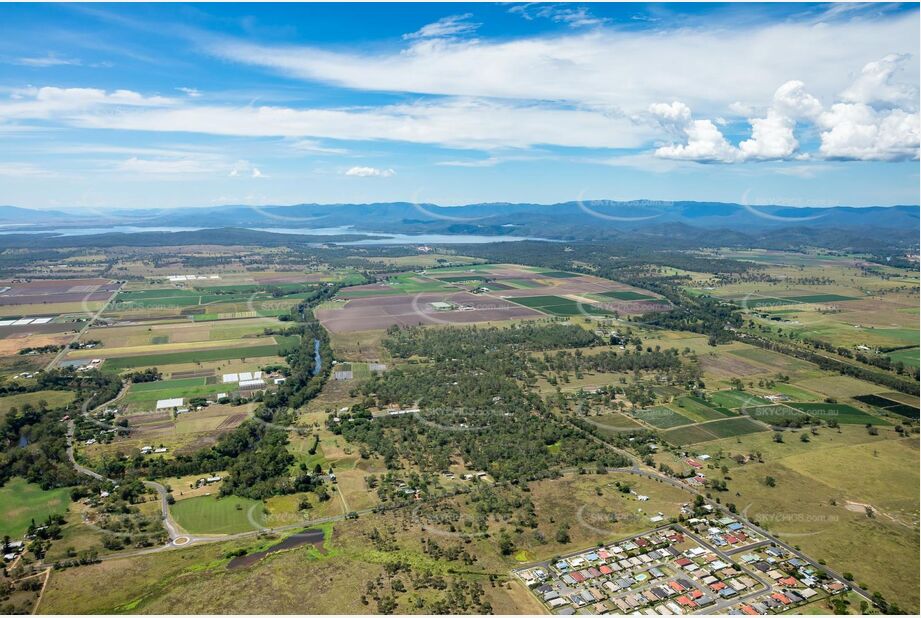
(770, 481)
(506, 545)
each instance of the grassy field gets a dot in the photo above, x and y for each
(21, 502)
(819, 503)
(149, 392)
(54, 399)
(210, 515)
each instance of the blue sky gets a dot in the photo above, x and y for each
(183, 105)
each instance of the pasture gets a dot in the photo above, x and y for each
(54, 399)
(21, 502)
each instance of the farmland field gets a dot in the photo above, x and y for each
(843, 413)
(557, 305)
(909, 357)
(737, 399)
(700, 410)
(626, 295)
(153, 360)
(713, 430)
(662, 417)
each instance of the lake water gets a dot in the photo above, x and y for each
(312, 536)
(386, 238)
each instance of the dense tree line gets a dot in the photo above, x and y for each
(832, 364)
(440, 344)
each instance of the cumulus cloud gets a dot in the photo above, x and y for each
(704, 142)
(369, 172)
(876, 84)
(772, 138)
(453, 25)
(792, 100)
(855, 129)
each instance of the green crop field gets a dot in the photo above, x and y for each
(712, 431)
(461, 279)
(909, 357)
(21, 502)
(626, 295)
(559, 274)
(776, 414)
(662, 417)
(737, 399)
(156, 360)
(557, 305)
(700, 410)
(210, 515)
(843, 413)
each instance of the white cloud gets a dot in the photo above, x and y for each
(169, 167)
(190, 92)
(676, 113)
(848, 130)
(46, 61)
(705, 143)
(58, 103)
(22, 170)
(708, 69)
(876, 85)
(772, 138)
(573, 16)
(456, 123)
(792, 100)
(369, 172)
(857, 131)
(312, 145)
(453, 25)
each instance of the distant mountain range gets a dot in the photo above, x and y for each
(590, 220)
